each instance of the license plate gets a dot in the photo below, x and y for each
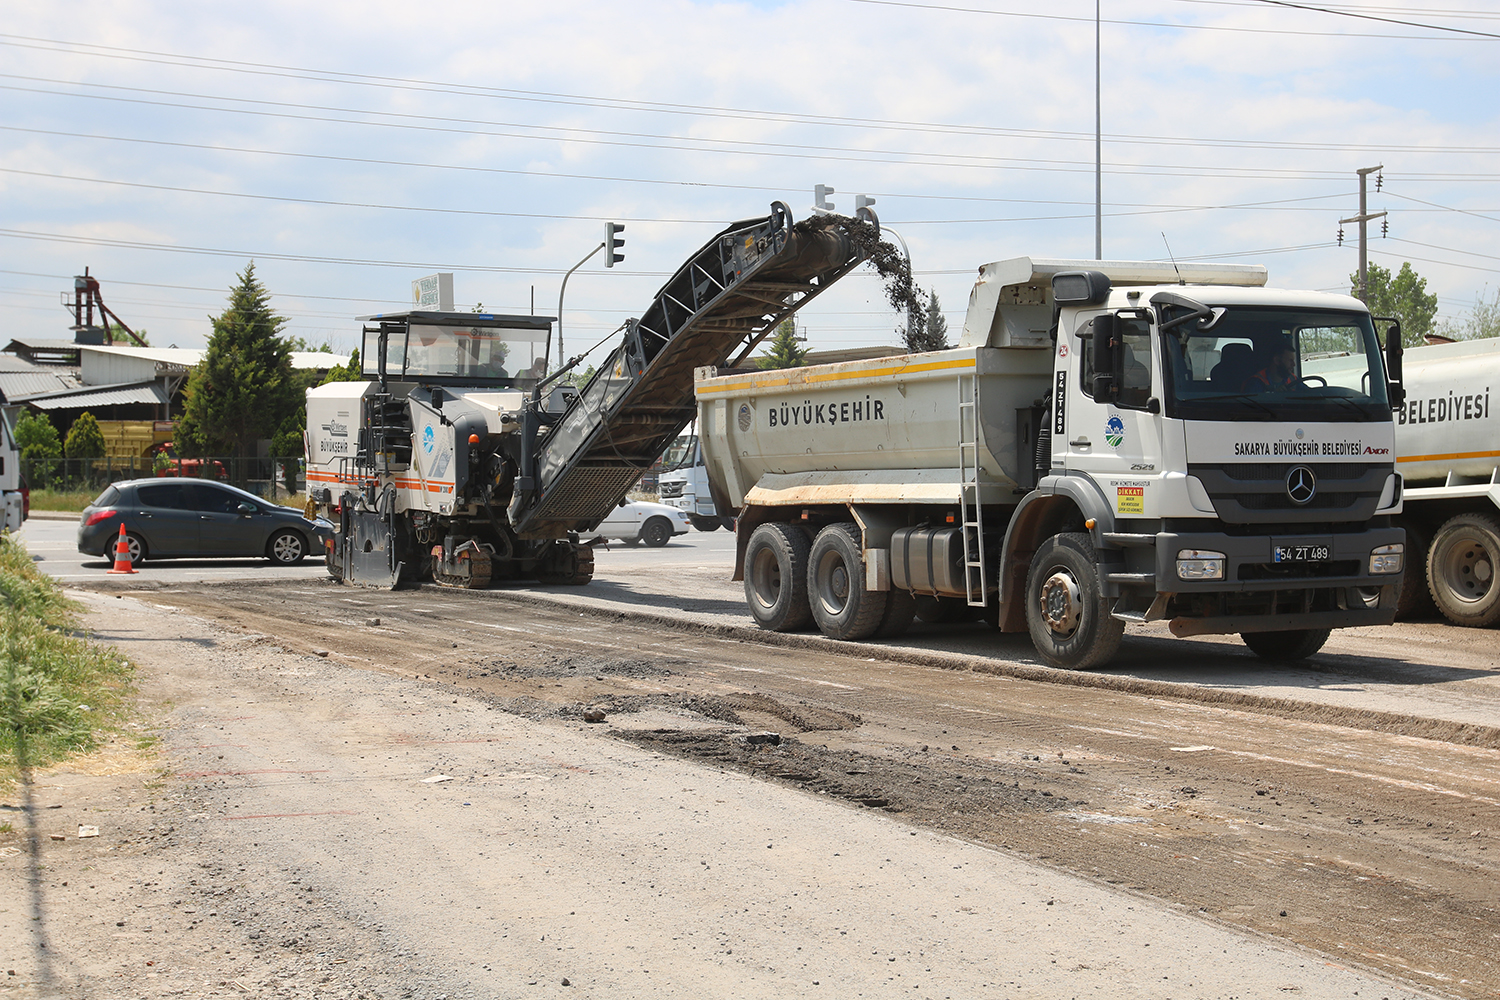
(1299, 553)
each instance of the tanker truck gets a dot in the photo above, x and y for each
(458, 459)
(1448, 451)
(1110, 443)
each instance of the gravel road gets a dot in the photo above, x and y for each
(423, 812)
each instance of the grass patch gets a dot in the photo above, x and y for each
(72, 501)
(59, 693)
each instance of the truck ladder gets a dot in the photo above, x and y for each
(719, 305)
(970, 510)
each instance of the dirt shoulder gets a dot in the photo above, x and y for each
(423, 812)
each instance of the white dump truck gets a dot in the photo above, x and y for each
(1448, 451)
(683, 484)
(1112, 442)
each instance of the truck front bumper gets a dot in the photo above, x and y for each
(1256, 593)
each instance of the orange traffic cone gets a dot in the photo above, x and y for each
(122, 555)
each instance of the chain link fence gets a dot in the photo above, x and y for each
(271, 478)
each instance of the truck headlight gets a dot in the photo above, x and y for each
(1199, 564)
(1387, 559)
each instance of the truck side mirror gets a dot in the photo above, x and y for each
(1108, 359)
(1395, 389)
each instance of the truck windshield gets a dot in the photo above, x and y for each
(481, 353)
(1277, 364)
(680, 454)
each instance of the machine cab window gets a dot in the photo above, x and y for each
(457, 348)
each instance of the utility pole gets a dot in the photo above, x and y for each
(562, 357)
(1363, 218)
(1098, 149)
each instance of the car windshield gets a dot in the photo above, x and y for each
(1276, 364)
(479, 353)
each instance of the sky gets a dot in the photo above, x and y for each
(350, 148)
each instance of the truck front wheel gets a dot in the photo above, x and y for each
(1461, 564)
(776, 577)
(1066, 611)
(1297, 644)
(841, 605)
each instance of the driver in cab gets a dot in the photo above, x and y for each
(1280, 372)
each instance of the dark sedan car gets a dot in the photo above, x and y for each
(166, 518)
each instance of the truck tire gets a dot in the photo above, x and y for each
(1461, 564)
(941, 609)
(900, 609)
(656, 532)
(776, 577)
(706, 523)
(1414, 598)
(1066, 611)
(841, 605)
(1297, 644)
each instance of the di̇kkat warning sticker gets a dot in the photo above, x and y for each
(1130, 499)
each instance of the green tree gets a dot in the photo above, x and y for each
(244, 389)
(932, 335)
(784, 351)
(1483, 321)
(345, 373)
(40, 447)
(118, 335)
(85, 439)
(1404, 296)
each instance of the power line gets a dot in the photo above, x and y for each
(1386, 20)
(1445, 208)
(1476, 35)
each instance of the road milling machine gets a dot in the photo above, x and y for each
(458, 459)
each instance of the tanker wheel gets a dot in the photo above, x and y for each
(776, 577)
(1066, 611)
(1461, 564)
(1297, 644)
(841, 605)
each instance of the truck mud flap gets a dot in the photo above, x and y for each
(367, 551)
(1232, 624)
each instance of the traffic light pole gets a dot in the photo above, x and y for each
(562, 356)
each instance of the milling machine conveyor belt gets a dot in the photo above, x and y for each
(718, 306)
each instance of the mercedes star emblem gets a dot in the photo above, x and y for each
(1301, 484)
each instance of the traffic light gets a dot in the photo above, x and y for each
(862, 210)
(821, 204)
(613, 243)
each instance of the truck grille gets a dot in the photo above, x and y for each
(671, 490)
(1256, 493)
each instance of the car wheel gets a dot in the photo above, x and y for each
(841, 605)
(656, 531)
(1297, 644)
(286, 548)
(1066, 611)
(776, 577)
(135, 543)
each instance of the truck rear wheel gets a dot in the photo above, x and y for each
(841, 605)
(1297, 644)
(900, 609)
(776, 577)
(1066, 612)
(1461, 564)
